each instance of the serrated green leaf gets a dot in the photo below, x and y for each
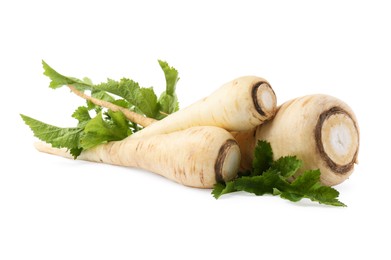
(87, 81)
(325, 195)
(306, 181)
(82, 115)
(75, 152)
(98, 130)
(274, 177)
(145, 100)
(287, 165)
(56, 136)
(123, 88)
(294, 197)
(308, 186)
(102, 95)
(168, 101)
(167, 105)
(263, 158)
(261, 184)
(171, 75)
(221, 189)
(58, 80)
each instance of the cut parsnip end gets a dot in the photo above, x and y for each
(265, 100)
(230, 156)
(320, 130)
(238, 105)
(339, 139)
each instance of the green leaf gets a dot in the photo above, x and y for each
(325, 195)
(102, 95)
(292, 196)
(144, 99)
(167, 105)
(221, 189)
(123, 88)
(82, 115)
(87, 81)
(261, 184)
(274, 177)
(171, 75)
(308, 185)
(263, 158)
(58, 80)
(306, 181)
(287, 166)
(125, 93)
(99, 130)
(168, 101)
(122, 103)
(56, 136)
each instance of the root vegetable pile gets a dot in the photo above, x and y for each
(236, 139)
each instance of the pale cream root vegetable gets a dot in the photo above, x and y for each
(196, 157)
(238, 105)
(320, 130)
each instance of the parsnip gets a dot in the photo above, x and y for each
(320, 130)
(196, 157)
(238, 105)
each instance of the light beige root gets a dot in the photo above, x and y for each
(238, 105)
(320, 130)
(196, 157)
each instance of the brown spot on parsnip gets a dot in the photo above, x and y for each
(202, 177)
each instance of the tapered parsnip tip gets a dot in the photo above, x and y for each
(47, 148)
(264, 98)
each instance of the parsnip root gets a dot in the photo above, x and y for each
(197, 157)
(238, 105)
(320, 130)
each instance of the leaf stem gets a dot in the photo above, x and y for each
(130, 115)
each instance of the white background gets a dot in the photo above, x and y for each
(53, 208)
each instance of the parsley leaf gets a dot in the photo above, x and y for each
(287, 166)
(82, 115)
(263, 158)
(98, 130)
(107, 125)
(56, 136)
(58, 80)
(168, 101)
(221, 189)
(277, 178)
(143, 99)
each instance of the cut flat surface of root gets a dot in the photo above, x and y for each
(338, 139)
(264, 99)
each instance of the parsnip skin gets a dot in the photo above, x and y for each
(246, 141)
(320, 130)
(196, 157)
(238, 105)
